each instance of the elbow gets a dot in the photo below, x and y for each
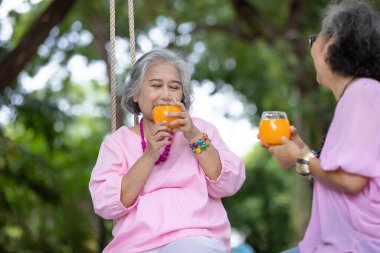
(352, 190)
(100, 212)
(353, 187)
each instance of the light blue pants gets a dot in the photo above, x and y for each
(192, 244)
(292, 250)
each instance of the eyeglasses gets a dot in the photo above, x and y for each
(312, 38)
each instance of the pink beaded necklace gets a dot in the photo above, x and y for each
(164, 155)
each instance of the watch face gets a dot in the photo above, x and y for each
(302, 164)
(302, 169)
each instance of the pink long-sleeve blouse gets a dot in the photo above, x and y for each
(178, 199)
(341, 222)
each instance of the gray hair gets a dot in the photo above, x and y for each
(355, 27)
(139, 70)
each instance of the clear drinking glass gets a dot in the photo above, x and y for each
(162, 108)
(273, 126)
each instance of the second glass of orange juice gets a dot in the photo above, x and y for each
(273, 126)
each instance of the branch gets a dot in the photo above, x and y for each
(295, 14)
(17, 59)
(254, 21)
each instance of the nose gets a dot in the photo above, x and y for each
(165, 94)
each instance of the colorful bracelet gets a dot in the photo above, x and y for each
(201, 145)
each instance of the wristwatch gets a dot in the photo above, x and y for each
(302, 164)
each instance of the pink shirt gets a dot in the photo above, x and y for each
(341, 222)
(178, 199)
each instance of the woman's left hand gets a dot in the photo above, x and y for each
(185, 124)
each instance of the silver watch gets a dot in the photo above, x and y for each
(302, 164)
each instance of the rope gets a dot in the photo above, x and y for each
(131, 19)
(131, 31)
(113, 58)
(112, 66)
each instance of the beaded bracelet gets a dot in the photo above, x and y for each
(201, 145)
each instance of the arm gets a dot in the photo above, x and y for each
(105, 181)
(286, 155)
(135, 179)
(114, 185)
(209, 159)
(338, 179)
(224, 171)
(210, 163)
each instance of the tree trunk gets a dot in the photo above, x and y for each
(15, 61)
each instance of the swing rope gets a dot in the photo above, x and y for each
(113, 58)
(132, 43)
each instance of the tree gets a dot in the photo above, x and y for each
(18, 58)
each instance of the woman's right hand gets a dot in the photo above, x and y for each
(286, 154)
(158, 138)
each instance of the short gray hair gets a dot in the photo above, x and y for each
(355, 26)
(139, 70)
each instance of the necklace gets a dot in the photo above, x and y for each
(164, 155)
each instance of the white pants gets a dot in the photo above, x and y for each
(192, 244)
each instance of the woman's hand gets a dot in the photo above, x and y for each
(296, 138)
(185, 124)
(286, 154)
(158, 138)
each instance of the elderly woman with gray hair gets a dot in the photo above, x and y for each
(345, 214)
(162, 183)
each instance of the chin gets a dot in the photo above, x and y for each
(318, 80)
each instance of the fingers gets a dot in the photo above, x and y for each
(284, 140)
(183, 122)
(180, 105)
(160, 136)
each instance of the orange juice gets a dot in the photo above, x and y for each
(160, 112)
(272, 130)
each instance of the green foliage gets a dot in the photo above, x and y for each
(45, 170)
(261, 209)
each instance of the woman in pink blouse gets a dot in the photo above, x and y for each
(163, 187)
(345, 213)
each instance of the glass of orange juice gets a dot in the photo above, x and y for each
(162, 109)
(273, 126)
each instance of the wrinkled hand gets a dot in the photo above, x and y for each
(156, 140)
(297, 139)
(185, 124)
(262, 144)
(286, 154)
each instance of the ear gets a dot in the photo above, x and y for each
(135, 98)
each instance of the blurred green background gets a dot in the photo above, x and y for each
(51, 127)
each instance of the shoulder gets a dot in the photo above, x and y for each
(360, 99)
(120, 135)
(364, 86)
(206, 127)
(201, 123)
(364, 91)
